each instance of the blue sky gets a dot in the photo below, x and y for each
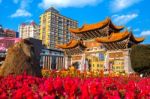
(133, 14)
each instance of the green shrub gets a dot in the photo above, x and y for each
(140, 58)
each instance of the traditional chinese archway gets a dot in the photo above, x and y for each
(101, 46)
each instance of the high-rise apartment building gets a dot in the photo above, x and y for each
(27, 30)
(54, 28)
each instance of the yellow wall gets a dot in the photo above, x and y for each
(96, 63)
(118, 65)
(41, 23)
(45, 24)
(47, 28)
(97, 66)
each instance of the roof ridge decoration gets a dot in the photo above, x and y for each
(115, 37)
(101, 24)
(136, 39)
(69, 42)
(72, 44)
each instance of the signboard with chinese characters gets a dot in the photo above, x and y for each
(115, 54)
(76, 57)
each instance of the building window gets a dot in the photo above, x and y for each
(93, 65)
(97, 65)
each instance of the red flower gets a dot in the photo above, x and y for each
(49, 97)
(48, 84)
(129, 95)
(95, 89)
(71, 87)
(3, 96)
(58, 85)
(84, 91)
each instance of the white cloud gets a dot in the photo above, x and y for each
(67, 3)
(123, 19)
(118, 5)
(145, 33)
(22, 10)
(132, 29)
(21, 13)
(136, 30)
(25, 4)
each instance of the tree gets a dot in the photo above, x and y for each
(140, 59)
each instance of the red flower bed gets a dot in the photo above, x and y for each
(29, 87)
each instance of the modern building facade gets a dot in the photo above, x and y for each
(17, 34)
(5, 43)
(54, 28)
(1, 31)
(52, 59)
(29, 30)
(101, 47)
(7, 32)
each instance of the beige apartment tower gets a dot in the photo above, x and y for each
(54, 28)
